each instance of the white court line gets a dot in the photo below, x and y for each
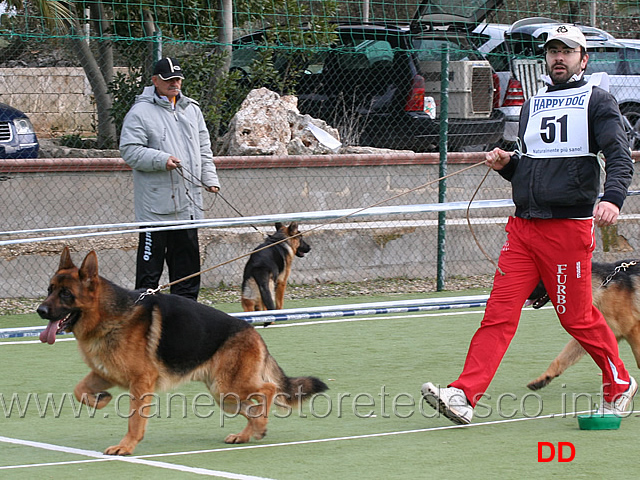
(368, 435)
(101, 457)
(142, 459)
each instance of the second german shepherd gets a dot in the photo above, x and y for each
(158, 342)
(619, 302)
(265, 275)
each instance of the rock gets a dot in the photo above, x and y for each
(51, 148)
(270, 124)
(371, 150)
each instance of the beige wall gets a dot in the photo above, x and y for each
(58, 100)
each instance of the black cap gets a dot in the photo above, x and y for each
(168, 68)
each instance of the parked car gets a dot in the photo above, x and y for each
(17, 136)
(621, 60)
(474, 90)
(524, 42)
(489, 38)
(372, 82)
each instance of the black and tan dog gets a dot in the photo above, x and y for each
(160, 341)
(265, 275)
(619, 301)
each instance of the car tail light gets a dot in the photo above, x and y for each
(496, 90)
(415, 100)
(515, 95)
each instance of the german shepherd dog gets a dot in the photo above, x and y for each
(265, 275)
(161, 341)
(619, 301)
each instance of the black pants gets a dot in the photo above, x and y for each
(181, 251)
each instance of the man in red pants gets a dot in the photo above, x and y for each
(555, 178)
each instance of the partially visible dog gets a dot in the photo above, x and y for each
(265, 275)
(619, 302)
(161, 341)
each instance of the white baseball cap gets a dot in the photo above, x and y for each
(570, 35)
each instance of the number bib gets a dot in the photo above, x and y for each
(558, 123)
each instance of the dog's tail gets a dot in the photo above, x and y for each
(263, 280)
(292, 390)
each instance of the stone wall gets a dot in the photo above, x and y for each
(58, 100)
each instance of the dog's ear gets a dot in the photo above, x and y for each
(65, 259)
(89, 268)
(278, 226)
(293, 228)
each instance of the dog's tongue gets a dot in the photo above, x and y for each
(49, 333)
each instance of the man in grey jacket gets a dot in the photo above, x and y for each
(165, 141)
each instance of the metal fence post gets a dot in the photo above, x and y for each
(442, 186)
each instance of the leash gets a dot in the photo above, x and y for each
(623, 266)
(238, 212)
(181, 170)
(473, 233)
(153, 291)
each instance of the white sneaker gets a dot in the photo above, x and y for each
(621, 404)
(450, 401)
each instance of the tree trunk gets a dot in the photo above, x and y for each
(150, 31)
(102, 26)
(106, 128)
(98, 75)
(226, 37)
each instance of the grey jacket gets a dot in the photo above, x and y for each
(152, 131)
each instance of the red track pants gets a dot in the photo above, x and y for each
(558, 251)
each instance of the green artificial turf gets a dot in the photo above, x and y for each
(370, 424)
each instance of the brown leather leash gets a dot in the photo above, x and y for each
(153, 291)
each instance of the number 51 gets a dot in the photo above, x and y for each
(548, 129)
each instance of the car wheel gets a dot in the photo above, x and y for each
(631, 114)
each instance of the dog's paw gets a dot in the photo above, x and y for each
(260, 435)
(102, 399)
(539, 383)
(236, 438)
(118, 450)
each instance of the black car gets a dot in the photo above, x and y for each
(380, 85)
(17, 136)
(372, 87)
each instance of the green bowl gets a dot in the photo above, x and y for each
(599, 422)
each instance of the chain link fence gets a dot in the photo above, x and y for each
(399, 241)
(372, 69)
(383, 73)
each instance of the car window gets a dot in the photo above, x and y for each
(619, 61)
(479, 39)
(632, 57)
(364, 54)
(499, 58)
(608, 61)
(525, 46)
(243, 57)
